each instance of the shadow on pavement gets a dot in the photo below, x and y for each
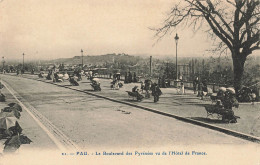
(208, 120)
(88, 90)
(67, 85)
(130, 100)
(201, 105)
(85, 82)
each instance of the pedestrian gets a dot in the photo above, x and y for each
(116, 84)
(255, 91)
(136, 92)
(134, 79)
(163, 82)
(49, 76)
(142, 86)
(195, 83)
(147, 88)
(160, 82)
(200, 93)
(113, 77)
(229, 102)
(65, 76)
(221, 93)
(204, 87)
(156, 92)
(118, 75)
(130, 77)
(134, 89)
(55, 77)
(126, 78)
(182, 87)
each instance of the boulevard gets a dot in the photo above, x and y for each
(92, 122)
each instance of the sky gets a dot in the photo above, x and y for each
(50, 29)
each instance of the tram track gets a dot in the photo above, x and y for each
(184, 119)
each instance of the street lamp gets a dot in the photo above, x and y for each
(151, 66)
(3, 63)
(23, 61)
(82, 57)
(176, 41)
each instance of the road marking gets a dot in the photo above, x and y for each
(61, 140)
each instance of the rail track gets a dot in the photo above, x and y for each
(184, 119)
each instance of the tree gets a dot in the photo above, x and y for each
(234, 23)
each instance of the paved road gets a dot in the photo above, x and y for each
(97, 123)
(187, 105)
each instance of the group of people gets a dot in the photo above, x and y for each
(56, 76)
(18, 71)
(73, 78)
(247, 95)
(129, 78)
(148, 86)
(201, 87)
(226, 100)
(116, 84)
(163, 82)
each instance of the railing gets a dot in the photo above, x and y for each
(189, 85)
(173, 84)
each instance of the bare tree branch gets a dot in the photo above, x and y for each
(235, 23)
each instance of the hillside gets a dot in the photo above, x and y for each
(98, 60)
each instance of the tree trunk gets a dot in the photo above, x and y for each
(238, 66)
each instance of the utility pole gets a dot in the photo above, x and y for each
(150, 65)
(167, 70)
(23, 61)
(3, 63)
(82, 57)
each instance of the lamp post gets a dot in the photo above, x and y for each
(176, 41)
(151, 66)
(23, 61)
(3, 63)
(167, 69)
(82, 57)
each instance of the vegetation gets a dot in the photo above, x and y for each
(215, 70)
